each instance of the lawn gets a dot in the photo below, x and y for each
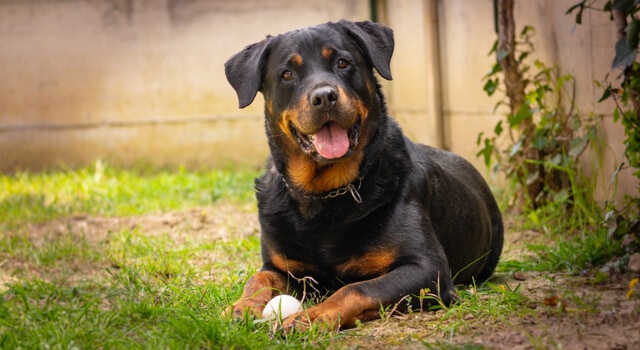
(108, 258)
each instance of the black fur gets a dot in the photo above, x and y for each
(429, 209)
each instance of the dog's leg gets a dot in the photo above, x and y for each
(342, 309)
(363, 301)
(260, 288)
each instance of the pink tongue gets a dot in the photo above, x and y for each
(331, 141)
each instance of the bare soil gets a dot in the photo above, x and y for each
(563, 312)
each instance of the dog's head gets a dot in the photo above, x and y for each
(322, 101)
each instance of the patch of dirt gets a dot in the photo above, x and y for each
(561, 312)
(554, 318)
(565, 312)
(220, 221)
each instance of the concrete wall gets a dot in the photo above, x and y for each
(414, 95)
(142, 81)
(134, 81)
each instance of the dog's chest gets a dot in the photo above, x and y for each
(337, 260)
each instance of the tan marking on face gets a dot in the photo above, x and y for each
(268, 107)
(313, 178)
(371, 88)
(376, 263)
(327, 52)
(297, 60)
(286, 117)
(360, 109)
(304, 172)
(354, 107)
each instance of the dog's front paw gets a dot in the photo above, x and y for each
(299, 322)
(316, 317)
(242, 307)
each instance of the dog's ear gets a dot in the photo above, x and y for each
(244, 71)
(375, 40)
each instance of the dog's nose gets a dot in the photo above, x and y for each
(324, 97)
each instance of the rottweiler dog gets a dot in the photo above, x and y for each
(347, 203)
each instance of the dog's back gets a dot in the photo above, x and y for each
(462, 209)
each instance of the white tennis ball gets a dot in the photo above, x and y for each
(281, 307)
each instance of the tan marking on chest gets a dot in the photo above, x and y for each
(375, 263)
(296, 268)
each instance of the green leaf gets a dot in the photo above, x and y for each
(523, 56)
(533, 217)
(578, 145)
(526, 30)
(498, 104)
(491, 86)
(625, 96)
(498, 129)
(579, 17)
(494, 48)
(578, 5)
(540, 142)
(495, 69)
(633, 29)
(626, 6)
(606, 94)
(523, 113)
(625, 56)
(486, 152)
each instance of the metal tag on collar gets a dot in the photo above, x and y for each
(355, 194)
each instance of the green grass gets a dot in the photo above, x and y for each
(102, 190)
(576, 255)
(130, 292)
(63, 287)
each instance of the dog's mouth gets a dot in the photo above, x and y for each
(330, 142)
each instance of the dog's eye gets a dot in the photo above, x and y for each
(287, 75)
(342, 63)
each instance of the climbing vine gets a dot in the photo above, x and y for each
(537, 144)
(623, 219)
